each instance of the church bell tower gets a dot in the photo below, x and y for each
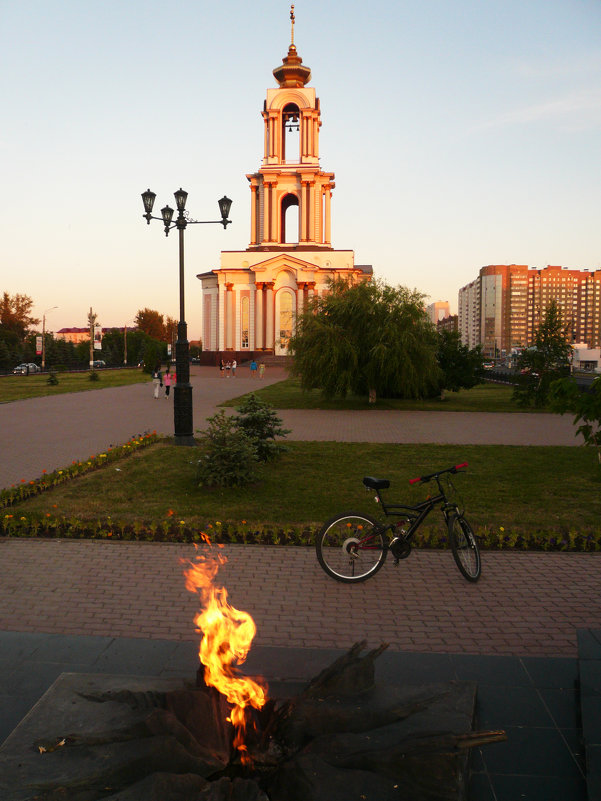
(251, 301)
(290, 205)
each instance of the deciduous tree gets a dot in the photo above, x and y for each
(585, 405)
(15, 314)
(151, 322)
(367, 339)
(460, 366)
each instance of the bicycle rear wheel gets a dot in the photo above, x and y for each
(465, 548)
(350, 547)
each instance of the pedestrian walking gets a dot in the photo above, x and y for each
(221, 368)
(253, 369)
(228, 367)
(261, 369)
(157, 380)
(167, 381)
(234, 365)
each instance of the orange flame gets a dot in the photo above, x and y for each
(227, 636)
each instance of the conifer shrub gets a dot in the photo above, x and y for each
(229, 457)
(261, 424)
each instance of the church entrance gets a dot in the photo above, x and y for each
(285, 308)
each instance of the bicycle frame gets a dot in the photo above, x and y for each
(415, 515)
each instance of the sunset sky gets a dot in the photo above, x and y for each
(461, 134)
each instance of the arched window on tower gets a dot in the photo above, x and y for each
(289, 219)
(291, 134)
(244, 323)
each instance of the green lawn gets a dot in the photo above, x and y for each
(19, 387)
(482, 398)
(551, 489)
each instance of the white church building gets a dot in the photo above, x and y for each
(250, 301)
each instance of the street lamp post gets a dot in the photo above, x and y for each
(182, 393)
(44, 336)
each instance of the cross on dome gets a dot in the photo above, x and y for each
(292, 72)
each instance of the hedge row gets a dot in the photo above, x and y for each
(14, 525)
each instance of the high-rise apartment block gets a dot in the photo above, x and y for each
(502, 308)
(438, 310)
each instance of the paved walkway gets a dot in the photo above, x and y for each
(47, 433)
(524, 603)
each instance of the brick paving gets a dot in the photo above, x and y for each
(524, 604)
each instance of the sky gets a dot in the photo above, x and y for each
(461, 133)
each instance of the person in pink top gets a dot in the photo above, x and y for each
(167, 380)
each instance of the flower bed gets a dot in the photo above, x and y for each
(14, 525)
(27, 489)
(174, 529)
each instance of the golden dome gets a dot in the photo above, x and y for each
(292, 72)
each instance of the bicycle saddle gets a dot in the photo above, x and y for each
(376, 483)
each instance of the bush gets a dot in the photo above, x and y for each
(229, 458)
(93, 376)
(52, 379)
(261, 425)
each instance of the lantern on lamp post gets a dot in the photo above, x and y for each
(182, 393)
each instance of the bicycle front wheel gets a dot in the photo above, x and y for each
(350, 547)
(465, 548)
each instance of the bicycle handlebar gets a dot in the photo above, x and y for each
(424, 479)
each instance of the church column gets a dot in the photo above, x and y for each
(253, 214)
(306, 123)
(229, 317)
(327, 231)
(266, 136)
(269, 316)
(221, 318)
(269, 222)
(274, 215)
(259, 317)
(311, 212)
(303, 229)
(311, 289)
(272, 127)
(300, 297)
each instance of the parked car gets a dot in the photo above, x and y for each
(26, 368)
(489, 365)
(99, 363)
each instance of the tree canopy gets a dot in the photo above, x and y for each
(366, 339)
(151, 322)
(460, 366)
(15, 314)
(544, 362)
(584, 403)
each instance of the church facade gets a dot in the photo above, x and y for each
(249, 303)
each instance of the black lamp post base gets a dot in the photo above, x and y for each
(182, 392)
(184, 439)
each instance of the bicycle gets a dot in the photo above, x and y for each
(352, 547)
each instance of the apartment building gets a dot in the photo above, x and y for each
(438, 310)
(502, 309)
(450, 323)
(469, 314)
